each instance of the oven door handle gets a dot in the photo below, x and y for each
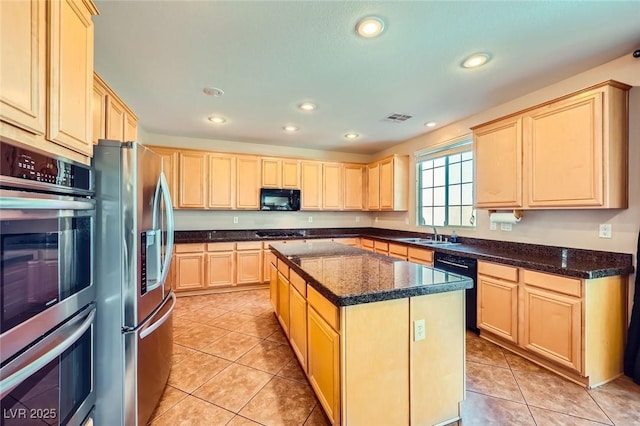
(11, 203)
(43, 354)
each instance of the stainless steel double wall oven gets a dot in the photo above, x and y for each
(47, 295)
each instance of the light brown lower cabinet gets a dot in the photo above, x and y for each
(575, 327)
(421, 256)
(406, 382)
(209, 267)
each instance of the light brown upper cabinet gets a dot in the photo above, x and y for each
(389, 183)
(221, 181)
(248, 182)
(280, 173)
(192, 178)
(99, 106)
(112, 118)
(170, 168)
(46, 75)
(311, 190)
(332, 186)
(498, 164)
(567, 153)
(354, 184)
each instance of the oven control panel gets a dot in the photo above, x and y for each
(21, 163)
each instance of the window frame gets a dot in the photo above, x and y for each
(444, 151)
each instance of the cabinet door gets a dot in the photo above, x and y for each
(332, 186)
(130, 128)
(386, 184)
(22, 68)
(298, 325)
(248, 267)
(70, 75)
(273, 286)
(290, 174)
(169, 167)
(220, 269)
(221, 182)
(189, 271)
(192, 175)
(116, 117)
(324, 363)
(283, 303)
(553, 326)
(266, 266)
(564, 153)
(498, 307)
(353, 187)
(271, 173)
(497, 151)
(373, 186)
(311, 190)
(99, 115)
(248, 183)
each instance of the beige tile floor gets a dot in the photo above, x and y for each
(232, 366)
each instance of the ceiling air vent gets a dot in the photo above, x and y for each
(397, 118)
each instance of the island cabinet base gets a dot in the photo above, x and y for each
(390, 378)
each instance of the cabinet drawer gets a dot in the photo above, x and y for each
(380, 246)
(249, 245)
(398, 249)
(273, 259)
(327, 310)
(366, 243)
(420, 254)
(570, 286)
(220, 246)
(189, 248)
(283, 268)
(265, 244)
(298, 282)
(508, 273)
(346, 241)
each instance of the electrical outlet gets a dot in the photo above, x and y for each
(310, 219)
(506, 227)
(376, 219)
(605, 230)
(235, 219)
(493, 226)
(406, 220)
(419, 332)
(357, 219)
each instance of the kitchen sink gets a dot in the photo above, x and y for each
(427, 242)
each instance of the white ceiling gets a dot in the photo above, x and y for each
(268, 56)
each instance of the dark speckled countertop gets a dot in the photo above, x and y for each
(578, 263)
(351, 276)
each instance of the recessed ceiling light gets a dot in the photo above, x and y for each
(213, 91)
(431, 124)
(307, 106)
(351, 135)
(476, 60)
(290, 128)
(217, 119)
(369, 27)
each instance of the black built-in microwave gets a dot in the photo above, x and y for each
(279, 199)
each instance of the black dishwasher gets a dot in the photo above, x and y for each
(469, 268)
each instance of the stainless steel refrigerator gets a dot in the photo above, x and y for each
(134, 243)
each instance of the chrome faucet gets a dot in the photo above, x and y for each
(435, 233)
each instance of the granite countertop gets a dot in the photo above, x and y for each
(350, 276)
(578, 263)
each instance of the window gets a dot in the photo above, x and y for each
(445, 187)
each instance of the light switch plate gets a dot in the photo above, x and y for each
(605, 230)
(310, 219)
(492, 226)
(235, 219)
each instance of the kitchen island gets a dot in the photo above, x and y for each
(380, 339)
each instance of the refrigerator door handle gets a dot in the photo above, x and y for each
(166, 196)
(23, 372)
(147, 331)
